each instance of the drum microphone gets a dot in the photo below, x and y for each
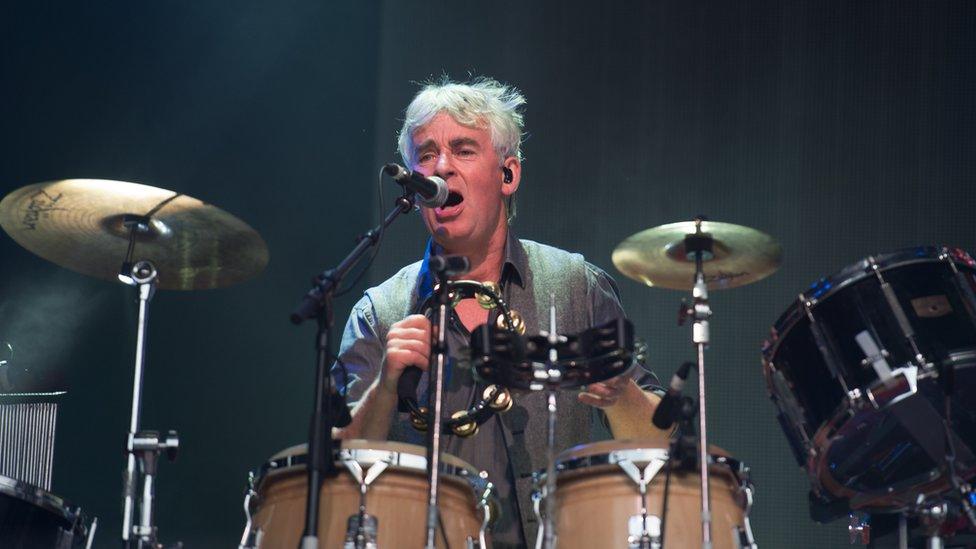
(431, 191)
(449, 265)
(667, 409)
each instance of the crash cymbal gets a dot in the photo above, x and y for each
(81, 224)
(657, 257)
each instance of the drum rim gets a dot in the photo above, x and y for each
(39, 497)
(855, 272)
(369, 452)
(580, 463)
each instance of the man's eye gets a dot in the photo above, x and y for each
(425, 158)
(465, 152)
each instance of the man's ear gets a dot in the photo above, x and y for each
(511, 175)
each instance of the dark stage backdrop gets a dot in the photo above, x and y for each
(261, 108)
(840, 128)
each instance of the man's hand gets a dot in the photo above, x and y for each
(604, 394)
(407, 344)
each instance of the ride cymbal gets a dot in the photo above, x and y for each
(740, 255)
(85, 224)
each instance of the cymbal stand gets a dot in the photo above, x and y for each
(551, 376)
(142, 447)
(699, 245)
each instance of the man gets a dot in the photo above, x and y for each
(470, 135)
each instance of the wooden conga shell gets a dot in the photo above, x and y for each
(397, 499)
(594, 504)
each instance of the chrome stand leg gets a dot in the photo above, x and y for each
(143, 274)
(932, 519)
(902, 531)
(142, 447)
(549, 526)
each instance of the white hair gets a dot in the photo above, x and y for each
(480, 103)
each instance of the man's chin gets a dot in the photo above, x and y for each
(448, 237)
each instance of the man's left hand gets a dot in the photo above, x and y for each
(604, 394)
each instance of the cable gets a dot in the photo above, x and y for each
(378, 236)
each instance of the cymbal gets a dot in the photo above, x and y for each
(740, 255)
(81, 224)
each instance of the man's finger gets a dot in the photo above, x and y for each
(595, 400)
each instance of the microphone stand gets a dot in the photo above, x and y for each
(317, 304)
(438, 359)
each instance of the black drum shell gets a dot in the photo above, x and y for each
(852, 449)
(31, 518)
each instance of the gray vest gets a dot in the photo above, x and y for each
(547, 270)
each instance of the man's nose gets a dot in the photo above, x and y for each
(444, 168)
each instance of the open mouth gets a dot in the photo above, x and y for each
(453, 199)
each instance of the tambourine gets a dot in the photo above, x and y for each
(494, 398)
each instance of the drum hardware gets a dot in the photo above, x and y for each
(824, 345)
(317, 304)
(644, 529)
(545, 374)
(142, 447)
(87, 225)
(698, 256)
(494, 398)
(859, 528)
(251, 538)
(899, 313)
(700, 245)
(485, 490)
(961, 283)
(440, 353)
(362, 528)
(932, 518)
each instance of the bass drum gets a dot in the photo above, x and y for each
(393, 477)
(854, 368)
(32, 518)
(598, 499)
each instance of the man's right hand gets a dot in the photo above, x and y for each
(407, 344)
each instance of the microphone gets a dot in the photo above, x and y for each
(340, 409)
(664, 415)
(449, 265)
(431, 191)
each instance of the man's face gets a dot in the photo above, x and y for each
(466, 159)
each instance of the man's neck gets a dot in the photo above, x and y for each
(486, 261)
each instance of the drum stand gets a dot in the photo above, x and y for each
(699, 244)
(142, 447)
